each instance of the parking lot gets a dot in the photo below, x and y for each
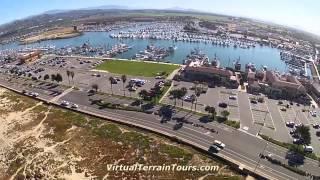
(260, 112)
(212, 97)
(84, 77)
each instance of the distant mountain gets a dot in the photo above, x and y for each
(56, 11)
(107, 7)
(177, 8)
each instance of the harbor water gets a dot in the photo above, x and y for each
(260, 55)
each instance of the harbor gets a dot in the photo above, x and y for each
(167, 42)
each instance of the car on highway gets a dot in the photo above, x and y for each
(223, 105)
(65, 103)
(159, 77)
(219, 144)
(233, 97)
(214, 149)
(33, 94)
(74, 106)
(177, 126)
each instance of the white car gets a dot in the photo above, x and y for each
(308, 149)
(187, 98)
(313, 113)
(65, 103)
(74, 106)
(219, 144)
(233, 97)
(290, 124)
(33, 94)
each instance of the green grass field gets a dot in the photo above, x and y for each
(135, 68)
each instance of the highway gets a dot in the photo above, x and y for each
(241, 148)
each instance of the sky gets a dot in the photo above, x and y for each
(301, 14)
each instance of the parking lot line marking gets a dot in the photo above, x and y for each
(284, 122)
(271, 117)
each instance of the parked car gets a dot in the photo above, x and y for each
(297, 141)
(219, 144)
(223, 105)
(308, 149)
(316, 126)
(253, 101)
(188, 98)
(290, 124)
(233, 97)
(313, 113)
(283, 109)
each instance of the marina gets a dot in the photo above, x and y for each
(167, 43)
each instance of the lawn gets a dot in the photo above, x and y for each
(135, 68)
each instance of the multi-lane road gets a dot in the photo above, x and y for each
(242, 148)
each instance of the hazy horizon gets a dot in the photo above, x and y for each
(295, 14)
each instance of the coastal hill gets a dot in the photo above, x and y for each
(57, 33)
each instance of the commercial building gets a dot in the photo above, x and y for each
(197, 71)
(275, 85)
(28, 57)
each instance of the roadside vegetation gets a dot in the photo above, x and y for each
(292, 147)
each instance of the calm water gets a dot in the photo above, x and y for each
(260, 55)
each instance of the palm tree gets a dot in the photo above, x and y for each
(193, 98)
(196, 94)
(59, 78)
(175, 94)
(124, 79)
(53, 77)
(72, 76)
(68, 74)
(95, 87)
(111, 79)
(225, 114)
(46, 77)
(211, 110)
(304, 133)
(183, 92)
(143, 94)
